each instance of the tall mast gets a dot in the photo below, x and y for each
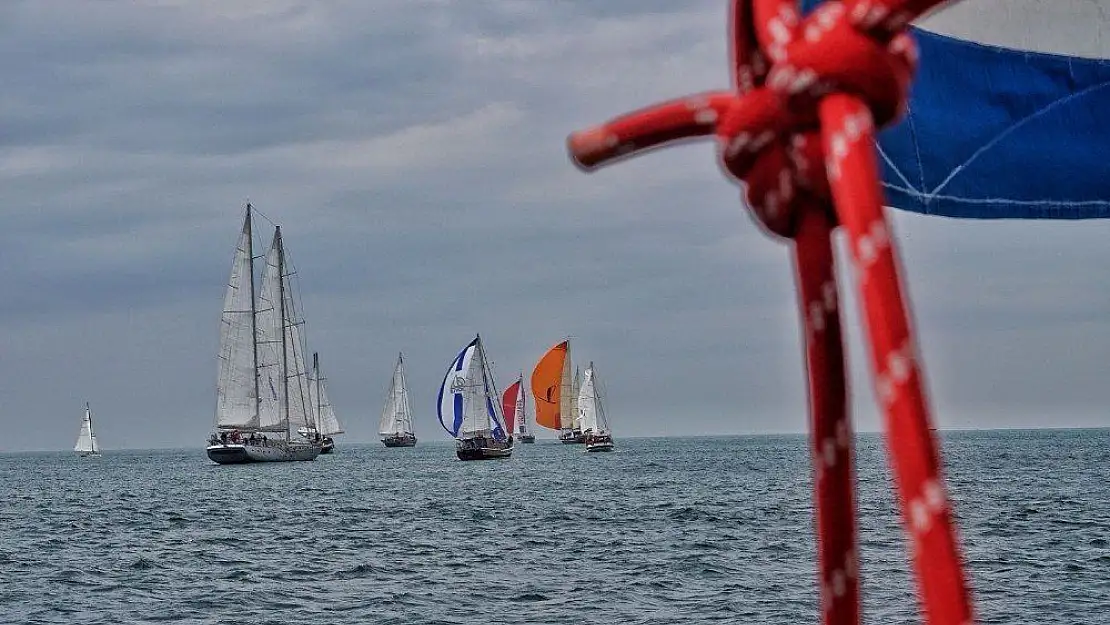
(403, 394)
(284, 342)
(254, 320)
(319, 400)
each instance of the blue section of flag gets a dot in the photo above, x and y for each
(997, 133)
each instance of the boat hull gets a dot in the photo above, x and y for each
(528, 438)
(568, 437)
(599, 443)
(327, 445)
(483, 449)
(270, 451)
(403, 440)
(483, 453)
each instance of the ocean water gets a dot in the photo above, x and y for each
(697, 530)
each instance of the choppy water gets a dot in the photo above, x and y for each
(664, 531)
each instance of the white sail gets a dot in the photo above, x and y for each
(235, 387)
(493, 420)
(86, 439)
(302, 413)
(575, 389)
(327, 422)
(518, 411)
(591, 412)
(396, 414)
(271, 417)
(567, 394)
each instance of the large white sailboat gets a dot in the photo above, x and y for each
(470, 408)
(86, 438)
(395, 426)
(591, 413)
(262, 394)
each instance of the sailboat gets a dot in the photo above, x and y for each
(262, 395)
(86, 439)
(556, 394)
(512, 403)
(396, 424)
(327, 424)
(591, 413)
(470, 408)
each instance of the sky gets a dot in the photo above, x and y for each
(413, 152)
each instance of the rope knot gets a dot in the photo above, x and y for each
(769, 137)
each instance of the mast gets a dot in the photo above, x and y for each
(406, 427)
(92, 435)
(316, 377)
(284, 343)
(254, 320)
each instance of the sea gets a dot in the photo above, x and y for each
(663, 530)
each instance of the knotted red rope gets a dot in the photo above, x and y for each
(798, 129)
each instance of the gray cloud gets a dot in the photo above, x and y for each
(414, 154)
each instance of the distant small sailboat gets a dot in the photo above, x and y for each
(327, 424)
(556, 394)
(261, 340)
(591, 413)
(396, 424)
(512, 403)
(86, 439)
(470, 408)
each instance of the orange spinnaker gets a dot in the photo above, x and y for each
(546, 380)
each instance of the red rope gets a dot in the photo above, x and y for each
(798, 129)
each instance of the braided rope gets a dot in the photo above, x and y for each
(798, 130)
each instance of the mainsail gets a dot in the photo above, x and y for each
(326, 421)
(570, 412)
(86, 439)
(591, 413)
(396, 414)
(551, 387)
(270, 371)
(467, 401)
(236, 387)
(301, 412)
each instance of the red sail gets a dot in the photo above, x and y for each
(508, 405)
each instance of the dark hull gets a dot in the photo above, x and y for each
(483, 453)
(569, 438)
(228, 455)
(408, 440)
(327, 446)
(527, 438)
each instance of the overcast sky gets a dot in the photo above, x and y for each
(413, 151)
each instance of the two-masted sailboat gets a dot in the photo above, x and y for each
(262, 393)
(86, 439)
(470, 409)
(591, 413)
(556, 393)
(395, 427)
(512, 406)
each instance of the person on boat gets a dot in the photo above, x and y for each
(223, 438)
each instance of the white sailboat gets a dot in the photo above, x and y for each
(591, 413)
(327, 423)
(470, 407)
(512, 403)
(395, 426)
(262, 391)
(86, 438)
